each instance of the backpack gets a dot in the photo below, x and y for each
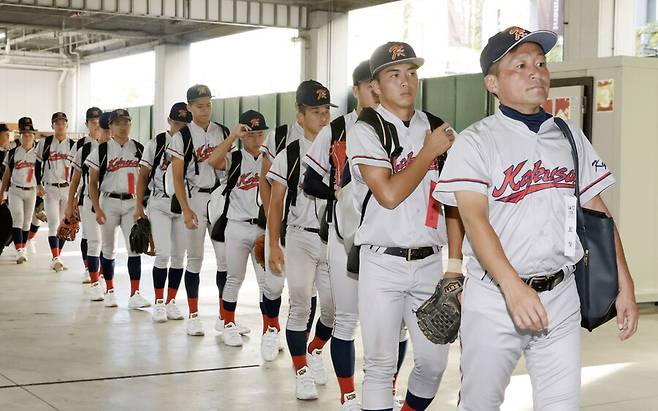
(219, 226)
(348, 218)
(46, 150)
(102, 155)
(337, 162)
(84, 173)
(292, 181)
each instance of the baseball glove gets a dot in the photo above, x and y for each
(439, 317)
(40, 212)
(259, 250)
(68, 229)
(140, 237)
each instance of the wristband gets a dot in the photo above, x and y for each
(454, 265)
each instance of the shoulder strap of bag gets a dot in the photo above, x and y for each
(102, 157)
(45, 154)
(160, 142)
(139, 149)
(292, 177)
(188, 151)
(86, 150)
(11, 158)
(232, 180)
(436, 122)
(386, 131)
(280, 134)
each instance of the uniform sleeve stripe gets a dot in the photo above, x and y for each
(145, 163)
(463, 180)
(170, 148)
(595, 182)
(267, 150)
(319, 165)
(370, 158)
(278, 175)
(93, 164)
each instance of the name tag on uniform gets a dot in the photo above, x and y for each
(30, 174)
(433, 209)
(570, 233)
(131, 183)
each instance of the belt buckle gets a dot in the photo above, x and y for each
(409, 254)
(540, 283)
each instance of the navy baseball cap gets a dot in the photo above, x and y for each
(25, 125)
(361, 73)
(312, 93)
(92, 113)
(58, 116)
(104, 120)
(180, 113)
(3, 127)
(503, 42)
(198, 91)
(392, 53)
(253, 119)
(119, 114)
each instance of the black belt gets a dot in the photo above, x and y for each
(205, 190)
(22, 188)
(251, 221)
(410, 254)
(121, 196)
(545, 282)
(60, 185)
(312, 230)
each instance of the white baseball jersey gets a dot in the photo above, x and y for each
(79, 143)
(23, 172)
(526, 178)
(204, 144)
(318, 155)
(416, 222)
(295, 132)
(78, 161)
(244, 196)
(122, 167)
(157, 185)
(56, 167)
(303, 214)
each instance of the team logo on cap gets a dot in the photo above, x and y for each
(396, 51)
(182, 113)
(95, 113)
(122, 113)
(518, 32)
(321, 94)
(202, 90)
(254, 122)
(28, 122)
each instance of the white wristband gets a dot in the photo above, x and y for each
(454, 265)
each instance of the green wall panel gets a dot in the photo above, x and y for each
(439, 97)
(471, 100)
(231, 112)
(285, 108)
(218, 110)
(249, 103)
(267, 106)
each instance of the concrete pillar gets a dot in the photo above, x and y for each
(324, 55)
(172, 79)
(81, 96)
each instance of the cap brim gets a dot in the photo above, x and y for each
(416, 61)
(545, 38)
(320, 105)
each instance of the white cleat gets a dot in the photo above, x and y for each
(97, 293)
(20, 256)
(110, 299)
(159, 312)
(231, 335)
(350, 403)
(85, 277)
(304, 385)
(270, 344)
(242, 329)
(219, 327)
(315, 364)
(173, 312)
(137, 301)
(194, 326)
(56, 264)
(398, 402)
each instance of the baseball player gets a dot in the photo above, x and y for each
(194, 179)
(167, 228)
(512, 176)
(52, 173)
(240, 215)
(19, 181)
(402, 231)
(91, 230)
(76, 196)
(113, 168)
(326, 157)
(305, 253)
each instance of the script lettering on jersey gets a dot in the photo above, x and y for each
(248, 181)
(400, 163)
(56, 156)
(119, 163)
(536, 179)
(203, 152)
(23, 164)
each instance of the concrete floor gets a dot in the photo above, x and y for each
(60, 351)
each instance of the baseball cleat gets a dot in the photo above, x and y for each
(270, 344)
(316, 366)
(231, 335)
(173, 312)
(350, 403)
(159, 312)
(194, 326)
(304, 385)
(137, 301)
(242, 329)
(85, 277)
(20, 256)
(56, 264)
(110, 299)
(97, 293)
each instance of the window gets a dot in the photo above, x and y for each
(646, 28)
(449, 34)
(123, 82)
(250, 63)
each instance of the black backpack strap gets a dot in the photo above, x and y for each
(436, 122)
(188, 151)
(45, 153)
(102, 158)
(160, 142)
(280, 135)
(233, 173)
(86, 150)
(386, 131)
(292, 178)
(139, 149)
(80, 143)
(11, 156)
(225, 130)
(337, 134)
(72, 143)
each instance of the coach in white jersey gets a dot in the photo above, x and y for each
(402, 232)
(19, 182)
(76, 195)
(512, 176)
(113, 168)
(167, 228)
(194, 179)
(52, 172)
